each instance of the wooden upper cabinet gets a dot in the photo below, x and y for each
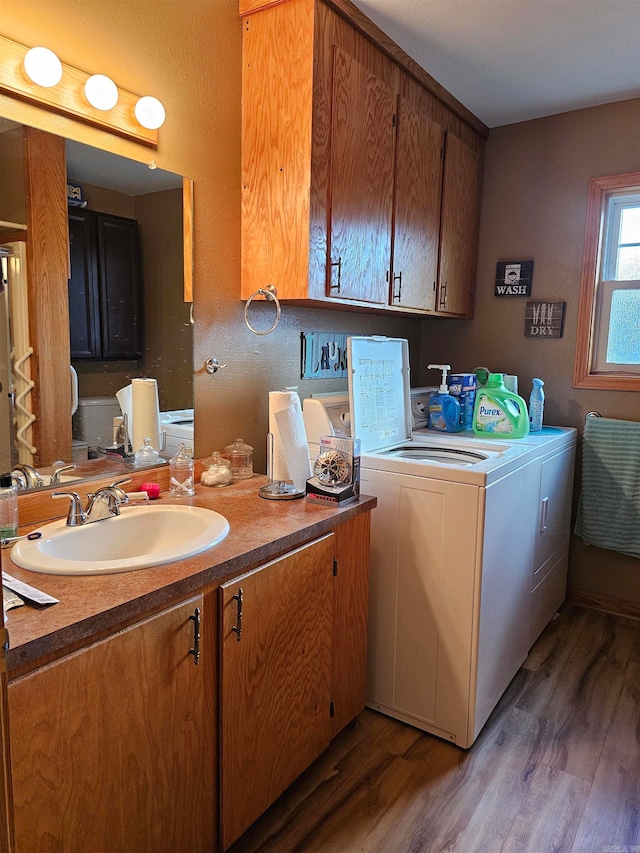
(341, 164)
(459, 228)
(417, 198)
(361, 193)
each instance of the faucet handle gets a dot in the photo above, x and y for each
(76, 514)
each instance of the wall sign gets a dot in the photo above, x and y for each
(323, 355)
(544, 319)
(513, 278)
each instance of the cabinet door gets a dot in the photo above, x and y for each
(83, 287)
(417, 198)
(275, 673)
(350, 605)
(119, 283)
(112, 759)
(362, 153)
(459, 228)
(554, 512)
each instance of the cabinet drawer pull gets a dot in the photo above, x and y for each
(443, 295)
(397, 296)
(195, 651)
(238, 627)
(338, 264)
(544, 515)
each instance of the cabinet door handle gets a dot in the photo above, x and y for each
(397, 296)
(338, 264)
(544, 515)
(237, 628)
(195, 651)
(443, 295)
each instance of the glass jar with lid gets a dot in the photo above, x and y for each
(216, 471)
(240, 455)
(181, 474)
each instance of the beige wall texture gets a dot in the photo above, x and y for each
(188, 54)
(534, 204)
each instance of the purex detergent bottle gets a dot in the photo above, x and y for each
(499, 413)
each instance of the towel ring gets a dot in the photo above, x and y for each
(269, 292)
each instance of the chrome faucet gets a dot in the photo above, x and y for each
(26, 477)
(55, 477)
(104, 503)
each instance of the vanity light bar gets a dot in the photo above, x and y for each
(68, 97)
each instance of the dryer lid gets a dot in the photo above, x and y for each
(379, 391)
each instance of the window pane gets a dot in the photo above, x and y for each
(630, 225)
(623, 345)
(628, 268)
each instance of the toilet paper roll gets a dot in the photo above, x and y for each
(145, 413)
(290, 449)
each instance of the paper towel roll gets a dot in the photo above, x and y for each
(290, 449)
(145, 413)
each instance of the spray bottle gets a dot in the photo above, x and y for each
(444, 410)
(536, 406)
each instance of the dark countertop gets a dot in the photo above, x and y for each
(260, 530)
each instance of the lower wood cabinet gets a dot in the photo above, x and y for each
(293, 667)
(127, 745)
(107, 748)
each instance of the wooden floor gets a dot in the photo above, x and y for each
(556, 768)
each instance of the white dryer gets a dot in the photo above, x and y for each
(453, 546)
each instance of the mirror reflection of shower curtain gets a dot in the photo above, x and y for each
(15, 350)
(7, 454)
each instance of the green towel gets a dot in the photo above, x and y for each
(609, 507)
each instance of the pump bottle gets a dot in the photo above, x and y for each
(444, 409)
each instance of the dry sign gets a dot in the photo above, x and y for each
(544, 319)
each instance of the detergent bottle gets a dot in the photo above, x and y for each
(499, 413)
(444, 409)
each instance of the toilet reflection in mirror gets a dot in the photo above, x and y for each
(126, 315)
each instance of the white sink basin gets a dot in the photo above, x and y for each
(138, 538)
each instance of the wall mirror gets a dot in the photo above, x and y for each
(115, 310)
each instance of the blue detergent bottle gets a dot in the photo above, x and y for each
(499, 413)
(444, 410)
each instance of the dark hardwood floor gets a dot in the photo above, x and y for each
(556, 768)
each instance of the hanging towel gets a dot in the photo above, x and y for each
(609, 507)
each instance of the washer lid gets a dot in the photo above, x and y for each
(379, 391)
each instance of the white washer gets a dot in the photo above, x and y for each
(178, 427)
(453, 546)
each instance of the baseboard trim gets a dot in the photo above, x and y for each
(606, 603)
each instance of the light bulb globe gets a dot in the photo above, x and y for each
(150, 112)
(42, 67)
(101, 92)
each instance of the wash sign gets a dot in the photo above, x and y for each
(513, 278)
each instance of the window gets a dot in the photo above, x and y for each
(608, 342)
